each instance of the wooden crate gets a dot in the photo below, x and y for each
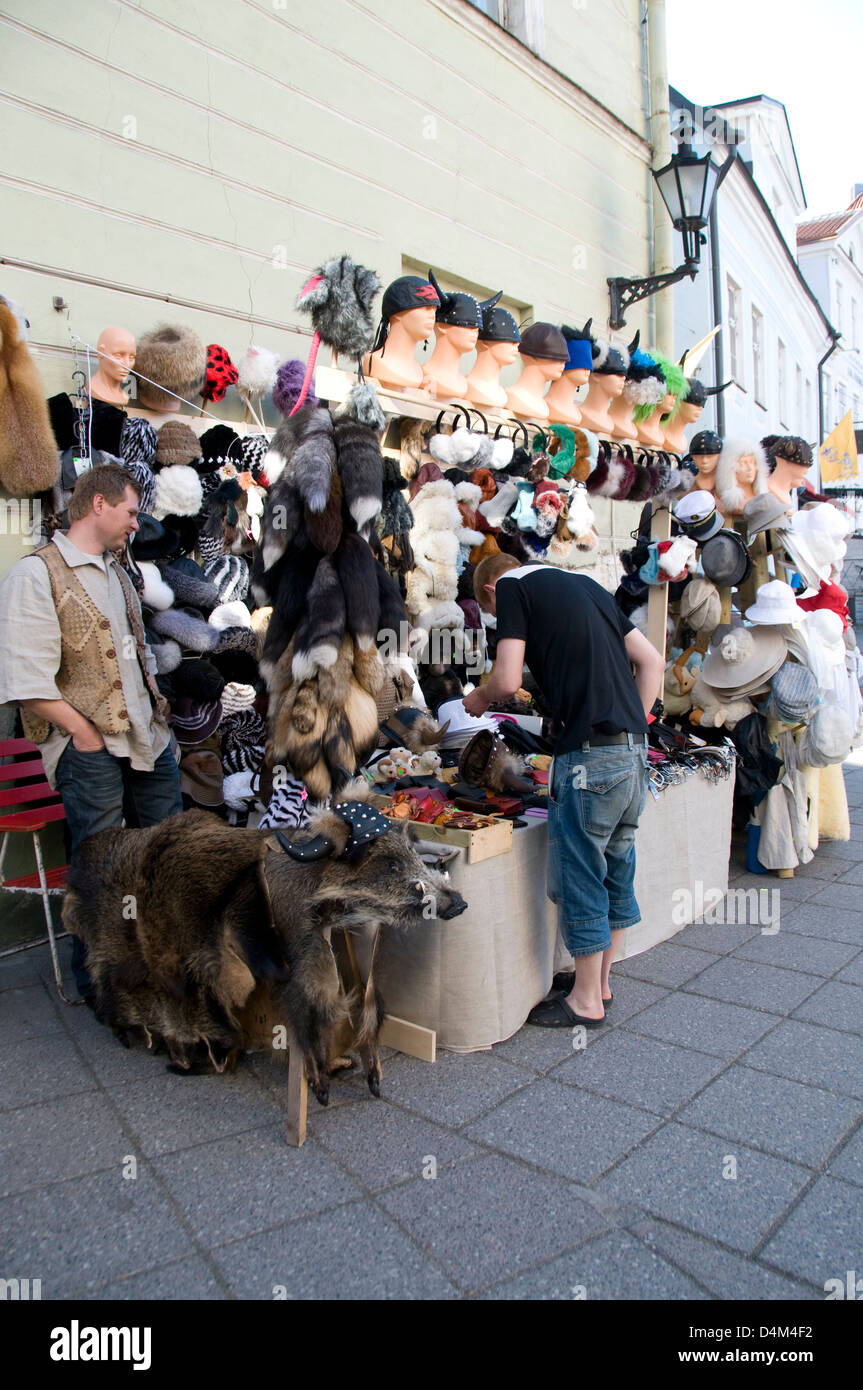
(480, 844)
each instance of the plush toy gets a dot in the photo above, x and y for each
(679, 680)
(714, 713)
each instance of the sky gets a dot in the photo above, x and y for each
(802, 54)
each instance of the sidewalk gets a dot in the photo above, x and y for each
(607, 1173)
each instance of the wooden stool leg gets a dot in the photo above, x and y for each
(298, 1099)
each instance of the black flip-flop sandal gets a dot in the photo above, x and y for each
(563, 982)
(556, 1013)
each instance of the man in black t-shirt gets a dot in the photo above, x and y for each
(580, 650)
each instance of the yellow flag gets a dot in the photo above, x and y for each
(839, 453)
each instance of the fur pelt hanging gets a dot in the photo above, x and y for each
(362, 405)
(361, 468)
(320, 631)
(29, 457)
(288, 585)
(411, 443)
(357, 572)
(324, 529)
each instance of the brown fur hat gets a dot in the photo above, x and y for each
(176, 359)
(176, 442)
(29, 457)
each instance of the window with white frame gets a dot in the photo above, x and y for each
(489, 7)
(782, 382)
(842, 402)
(758, 357)
(735, 331)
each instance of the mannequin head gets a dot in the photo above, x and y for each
(611, 384)
(504, 354)
(418, 324)
(577, 376)
(741, 473)
(689, 412)
(116, 347)
(462, 340)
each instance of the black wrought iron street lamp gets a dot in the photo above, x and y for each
(688, 184)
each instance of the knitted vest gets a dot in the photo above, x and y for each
(89, 675)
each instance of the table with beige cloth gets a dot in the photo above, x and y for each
(475, 979)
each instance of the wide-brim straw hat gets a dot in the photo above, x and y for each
(741, 658)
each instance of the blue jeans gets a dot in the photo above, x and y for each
(100, 792)
(595, 797)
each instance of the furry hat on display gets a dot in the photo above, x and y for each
(157, 593)
(579, 347)
(170, 361)
(339, 299)
(29, 457)
(645, 383)
(676, 384)
(256, 373)
(189, 585)
(220, 374)
(289, 384)
(178, 492)
(217, 446)
(176, 443)
(728, 489)
(609, 359)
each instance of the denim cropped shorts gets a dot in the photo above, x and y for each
(595, 797)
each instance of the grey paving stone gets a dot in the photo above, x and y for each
(234, 1187)
(843, 895)
(667, 964)
(612, 1267)
(40, 1069)
(490, 1217)
(848, 1163)
(353, 1253)
(189, 1279)
(853, 874)
(791, 1120)
(60, 1139)
(810, 919)
(77, 1235)
(817, 1055)
(383, 1145)
(563, 1129)
(346, 1088)
(170, 1112)
(820, 1239)
(763, 987)
(705, 1024)
(836, 1006)
(115, 1066)
(718, 939)
(638, 1070)
(725, 1274)
(822, 867)
(630, 997)
(852, 974)
(677, 1174)
(537, 1049)
(19, 970)
(794, 952)
(27, 1012)
(789, 888)
(455, 1088)
(839, 849)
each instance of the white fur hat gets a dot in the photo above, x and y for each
(178, 492)
(157, 594)
(257, 371)
(728, 490)
(234, 614)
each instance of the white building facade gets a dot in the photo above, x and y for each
(830, 253)
(774, 330)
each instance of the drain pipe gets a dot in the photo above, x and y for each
(718, 353)
(834, 336)
(659, 135)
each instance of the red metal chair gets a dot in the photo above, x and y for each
(23, 783)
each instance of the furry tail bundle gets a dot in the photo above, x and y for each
(29, 457)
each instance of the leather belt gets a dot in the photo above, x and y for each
(607, 740)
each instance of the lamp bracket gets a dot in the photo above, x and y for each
(623, 293)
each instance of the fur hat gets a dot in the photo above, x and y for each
(191, 632)
(230, 576)
(234, 614)
(29, 458)
(156, 593)
(217, 446)
(339, 298)
(198, 679)
(257, 371)
(178, 492)
(221, 373)
(728, 490)
(173, 357)
(176, 443)
(501, 504)
(189, 586)
(167, 653)
(288, 384)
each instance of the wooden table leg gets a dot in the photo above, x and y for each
(298, 1099)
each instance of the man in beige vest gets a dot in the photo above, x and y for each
(74, 656)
